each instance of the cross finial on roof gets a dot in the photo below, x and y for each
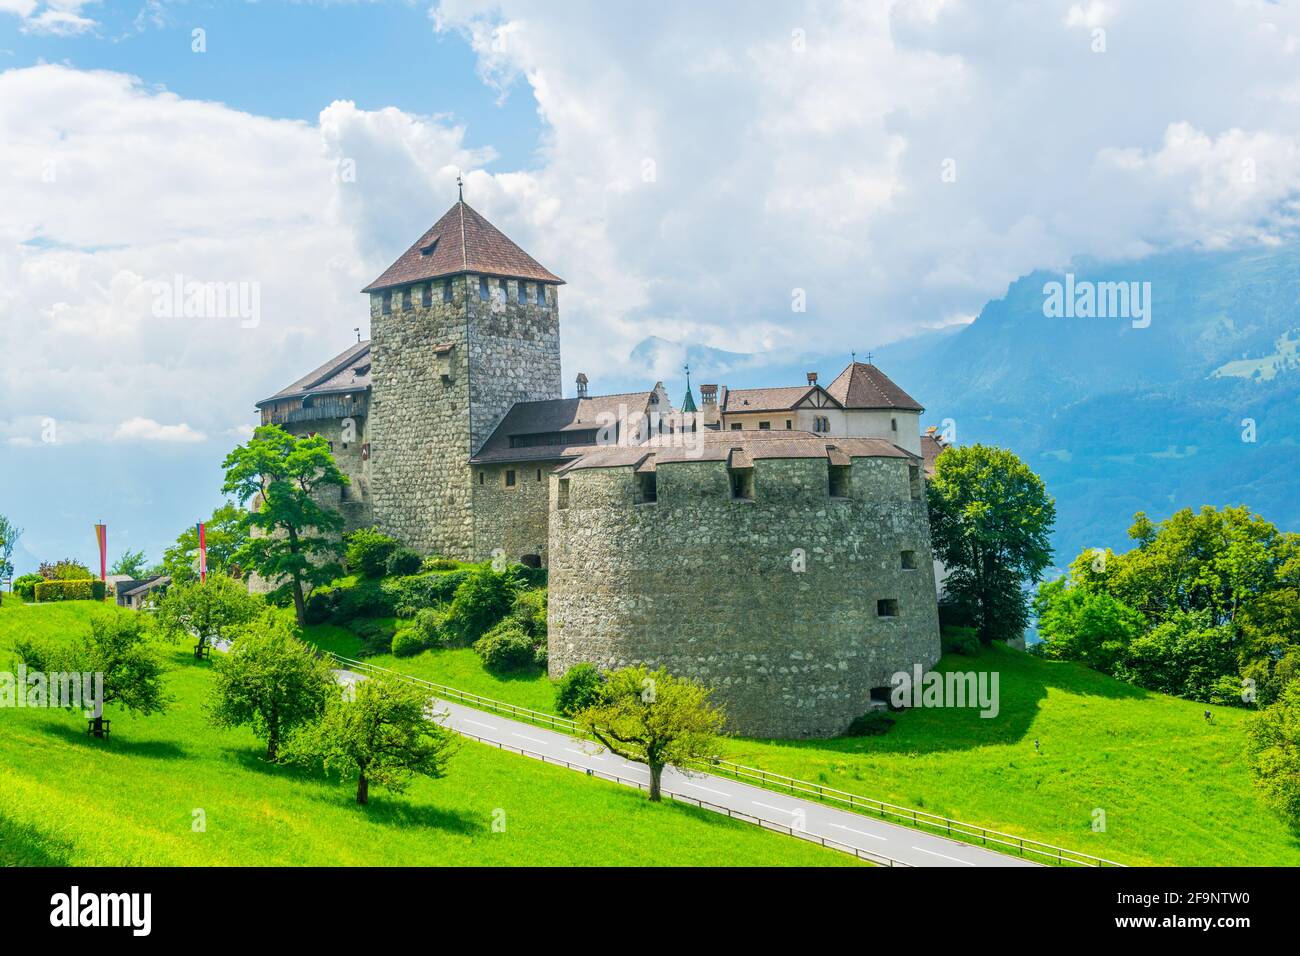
(358, 331)
(460, 188)
(853, 357)
(869, 357)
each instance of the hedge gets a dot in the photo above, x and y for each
(70, 591)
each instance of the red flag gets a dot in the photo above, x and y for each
(101, 535)
(203, 553)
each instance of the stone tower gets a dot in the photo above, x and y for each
(463, 325)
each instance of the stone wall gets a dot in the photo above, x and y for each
(706, 586)
(347, 438)
(431, 408)
(512, 518)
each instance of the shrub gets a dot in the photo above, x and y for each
(407, 643)
(322, 606)
(412, 594)
(873, 723)
(403, 562)
(482, 599)
(428, 624)
(960, 640)
(76, 590)
(25, 586)
(368, 552)
(436, 563)
(578, 689)
(506, 647)
(65, 570)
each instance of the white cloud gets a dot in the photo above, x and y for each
(56, 17)
(146, 429)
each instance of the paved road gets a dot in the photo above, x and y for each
(873, 836)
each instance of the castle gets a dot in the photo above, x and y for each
(772, 542)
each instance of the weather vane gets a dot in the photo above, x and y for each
(460, 186)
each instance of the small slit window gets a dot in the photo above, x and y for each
(480, 477)
(446, 291)
(483, 293)
(914, 480)
(909, 560)
(387, 303)
(562, 495)
(539, 474)
(893, 424)
(887, 607)
(510, 477)
(406, 299)
(840, 476)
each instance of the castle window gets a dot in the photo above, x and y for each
(765, 426)
(821, 424)
(893, 424)
(539, 474)
(426, 295)
(523, 293)
(735, 426)
(887, 607)
(909, 560)
(840, 476)
(914, 479)
(480, 477)
(388, 303)
(788, 424)
(742, 483)
(541, 294)
(483, 293)
(406, 299)
(562, 497)
(510, 477)
(446, 291)
(647, 488)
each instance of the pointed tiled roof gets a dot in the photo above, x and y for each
(862, 385)
(462, 241)
(688, 403)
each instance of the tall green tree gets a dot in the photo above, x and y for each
(225, 533)
(130, 563)
(270, 681)
(991, 521)
(207, 610)
(379, 732)
(117, 647)
(654, 718)
(9, 535)
(1273, 748)
(293, 536)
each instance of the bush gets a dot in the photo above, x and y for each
(322, 606)
(874, 722)
(65, 570)
(368, 552)
(530, 611)
(578, 689)
(482, 599)
(428, 624)
(77, 590)
(403, 562)
(436, 563)
(412, 594)
(407, 643)
(960, 640)
(506, 647)
(25, 586)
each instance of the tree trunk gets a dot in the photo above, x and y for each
(299, 605)
(363, 789)
(272, 745)
(656, 771)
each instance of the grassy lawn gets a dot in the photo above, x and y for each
(1174, 789)
(68, 799)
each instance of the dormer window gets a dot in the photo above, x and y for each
(428, 250)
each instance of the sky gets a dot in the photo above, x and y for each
(772, 178)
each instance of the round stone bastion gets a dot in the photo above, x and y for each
(791, 573)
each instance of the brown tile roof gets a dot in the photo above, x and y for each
(931, 448)
(346, 372)
(864, 386)
(748, 445)
(560, 415)
(765, 399)
(462, 241)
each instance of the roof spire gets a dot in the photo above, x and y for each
(688, 403)
(460, 187)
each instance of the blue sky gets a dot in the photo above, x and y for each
(693, 171)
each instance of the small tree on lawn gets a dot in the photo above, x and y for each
(118, 648)
(207, 610)
(131, 563)
(991, 522)
(654, 718)
(297, 537)
(270, 681)
(1273, 746)
(224, 534)
(378, 731)
(9, 535)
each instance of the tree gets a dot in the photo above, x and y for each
(292, 535)
(578, 689)
(225, 533)
(9, 535)
(1186, 654)
(65, 570)
(118, 648)
(206, 609)
(131, 563)
(383, 735)
(1079, 624)
(269, 681)
(1273, 748)
(990, 521)
(654, 718)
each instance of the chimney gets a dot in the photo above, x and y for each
(709, 394)
(812, 378)
(582, 385)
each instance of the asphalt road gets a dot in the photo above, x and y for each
(757, 805)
